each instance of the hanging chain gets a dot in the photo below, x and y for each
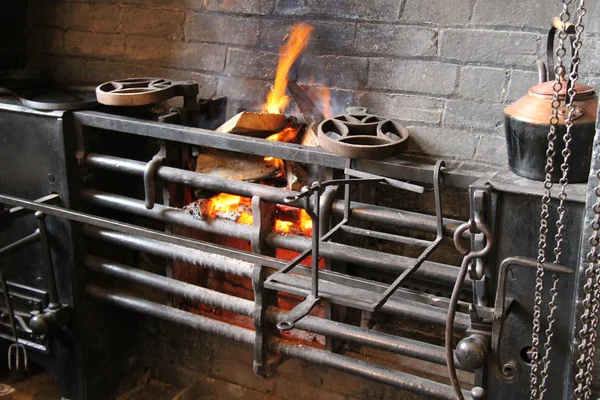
(538, 387)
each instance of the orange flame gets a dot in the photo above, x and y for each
(288, 54)
(286, 135)
(324, 102)
(230, 206)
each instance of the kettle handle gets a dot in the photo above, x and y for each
(546, 71)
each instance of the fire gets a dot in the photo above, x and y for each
(288, 54)
(239, 209)
(286, 135)
(324, 102)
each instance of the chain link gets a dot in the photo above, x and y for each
(537, 387)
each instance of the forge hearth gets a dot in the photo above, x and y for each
(281, 200)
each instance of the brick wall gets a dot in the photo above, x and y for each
(446, 69)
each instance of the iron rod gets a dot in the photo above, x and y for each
(395, 344)
(190, 178)
(170, 251)
(171, 314)
(166, 214)
(21, 243)
(47, 257)
(408, 309)
(431, 272)
(360, 211)
(383, 341)
(385, 236)
(171, 286)
(335, 251)
(392, 168)
(398, 379)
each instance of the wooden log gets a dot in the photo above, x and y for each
(254, 124)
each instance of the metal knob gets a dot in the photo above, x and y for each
(472, 351)
(477, 393)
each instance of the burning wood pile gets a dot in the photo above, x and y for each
(275, 123)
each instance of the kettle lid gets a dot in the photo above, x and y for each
(545, 90)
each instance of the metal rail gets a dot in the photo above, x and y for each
(397, 379)
(397, 169)
(383, 341)
(405, 304)
(363, 212)
(429, 271)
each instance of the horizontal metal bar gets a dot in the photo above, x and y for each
(18, 212)
(392, 168)
(397, 218)
(392, 182)
(429, 271)
(167, 214)
(170, 314)
(367, 337)
(398, 379)
(21, 243)
(169, 251)
(385, 236)
(142, 232)
(290, 242)
(404, 303)
(171, 286)
(366, 212)
(190, 178)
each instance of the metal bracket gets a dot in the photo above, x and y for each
(509, 372)
(150, 179)
(265, 362)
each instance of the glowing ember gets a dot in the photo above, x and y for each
(288, 54)
(287, 135)
(239, 209)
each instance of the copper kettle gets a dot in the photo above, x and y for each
(527, 123)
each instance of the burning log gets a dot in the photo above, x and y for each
(238, 166)
(254, 124)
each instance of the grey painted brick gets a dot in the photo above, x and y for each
(172, 53)
(329, 37)
(63, 15)
(593, 82)
(62, 70)
(93, 44)
(251, 64)
(411, 75)
(590, 55)
(490, 47)
(46, 41)
(106, 17)
(437, 11)
(473, 116)
(491, 150)
(519, 83)
(450, 144)
(251, 90)
(222, 29)
(396, 40)
(403, 107)
(515, 13)
(292, 7)
(383, 10)
(260, 7)
(155, 23)
(334, 71)
(481, 83)
(164, 4)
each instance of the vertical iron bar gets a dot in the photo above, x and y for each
(47, 257)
